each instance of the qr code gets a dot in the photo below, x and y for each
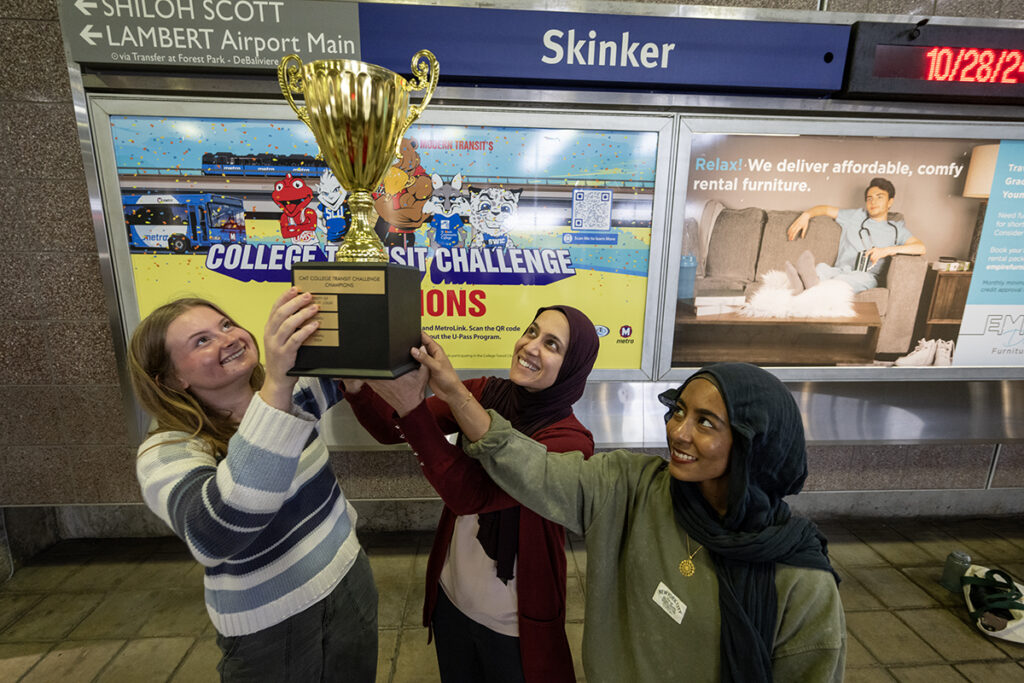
(591, 209)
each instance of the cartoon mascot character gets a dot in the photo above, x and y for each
(298, 221)
(335, 216)
(447, 202)
(401, 199)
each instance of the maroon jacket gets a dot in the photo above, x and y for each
(466, 489)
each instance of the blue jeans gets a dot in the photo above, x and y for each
(333, 640)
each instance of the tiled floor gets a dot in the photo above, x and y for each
(132, 610)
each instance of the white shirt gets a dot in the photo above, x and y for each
(470, 580)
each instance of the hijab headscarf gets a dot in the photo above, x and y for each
(768, 461)
(530, 412)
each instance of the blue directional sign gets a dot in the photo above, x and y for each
(608, 49)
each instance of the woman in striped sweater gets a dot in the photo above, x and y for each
(236, 466)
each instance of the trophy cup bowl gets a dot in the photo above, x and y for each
(359, 113)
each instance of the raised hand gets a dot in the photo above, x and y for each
(444, 381)
(402, 393)
(353, 386)
(290, 324)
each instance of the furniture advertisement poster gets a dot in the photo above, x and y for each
(793, 254)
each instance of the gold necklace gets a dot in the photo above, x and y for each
(686, 567)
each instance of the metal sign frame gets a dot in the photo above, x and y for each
(853, 127)
(103, 107)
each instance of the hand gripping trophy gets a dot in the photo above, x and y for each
(359, 114)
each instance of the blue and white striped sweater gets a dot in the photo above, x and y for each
(269, 522)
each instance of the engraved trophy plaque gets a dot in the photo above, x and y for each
(369, 309)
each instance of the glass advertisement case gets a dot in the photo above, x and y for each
(686, 239)
(847, 249)
(502, 212)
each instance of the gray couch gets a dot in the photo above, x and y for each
(737, 246)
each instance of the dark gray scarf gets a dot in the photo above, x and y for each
(768, 461)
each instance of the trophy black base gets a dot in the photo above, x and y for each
(369, 319)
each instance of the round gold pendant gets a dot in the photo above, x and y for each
(686, 568)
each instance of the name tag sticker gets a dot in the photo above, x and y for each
(667, 600)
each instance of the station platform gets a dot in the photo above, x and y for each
(132, 609)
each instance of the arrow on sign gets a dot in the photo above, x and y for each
(84, 6)
(88, 34)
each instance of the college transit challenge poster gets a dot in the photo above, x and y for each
(498, 220)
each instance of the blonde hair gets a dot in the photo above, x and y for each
(176, 410)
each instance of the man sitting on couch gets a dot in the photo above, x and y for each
(868, 237)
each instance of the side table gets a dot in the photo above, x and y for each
(945, 293)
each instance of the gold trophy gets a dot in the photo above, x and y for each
(359, 114)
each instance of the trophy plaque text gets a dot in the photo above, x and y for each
(369, 309)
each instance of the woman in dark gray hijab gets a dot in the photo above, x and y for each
(696, 570)
(751, 530)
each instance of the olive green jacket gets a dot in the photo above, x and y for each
(644, 620)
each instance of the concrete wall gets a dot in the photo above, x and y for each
(64, 439)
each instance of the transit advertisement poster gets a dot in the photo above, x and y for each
(499, 221)
(880, 273)
(993, 328)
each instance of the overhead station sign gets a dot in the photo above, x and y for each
(520, 46)
(526, 47)
(210, 34)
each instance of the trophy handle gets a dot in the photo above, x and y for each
(425, 73)
(289, 77)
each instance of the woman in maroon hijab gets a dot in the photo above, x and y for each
(495, 594)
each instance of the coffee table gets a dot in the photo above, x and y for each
(776, 341)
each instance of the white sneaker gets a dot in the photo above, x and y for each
(923, 354)
(944, 352)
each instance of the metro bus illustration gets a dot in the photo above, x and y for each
(182, 223)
